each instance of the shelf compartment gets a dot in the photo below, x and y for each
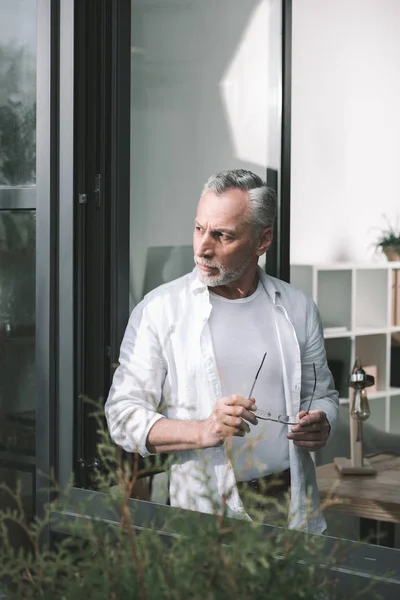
(372, 350)
(338, 353)
(334, 298)
(331, 333)
(370, 330)
(394, 391)
(372, 395)
(394, 421)
(371, 298)
(377, 407)
(394, 363)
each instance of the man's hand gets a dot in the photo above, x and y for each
(227, 419)
(312, 431)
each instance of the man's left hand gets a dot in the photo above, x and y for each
(312, 431)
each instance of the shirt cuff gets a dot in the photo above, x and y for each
(150, 419)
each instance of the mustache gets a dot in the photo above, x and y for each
(206, 263)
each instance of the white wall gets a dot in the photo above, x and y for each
(345, 126)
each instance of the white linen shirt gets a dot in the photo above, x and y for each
(167, 369)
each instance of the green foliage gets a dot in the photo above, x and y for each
(203, 558)
(389, 236)
(214, 560)
(17, 267)
(17, 115)
(17, 144)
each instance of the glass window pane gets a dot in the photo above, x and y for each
(17, 93)
(204, 97)
(17, 348)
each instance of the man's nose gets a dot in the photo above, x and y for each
(205, 247)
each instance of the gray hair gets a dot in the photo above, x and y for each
(262, 211)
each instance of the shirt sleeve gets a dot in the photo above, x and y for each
(136, 391)
(326, 398)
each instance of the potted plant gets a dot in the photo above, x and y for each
(389, 241)
(176, 555)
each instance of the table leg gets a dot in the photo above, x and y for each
(380, 533)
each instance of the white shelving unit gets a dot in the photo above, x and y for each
(355, 303)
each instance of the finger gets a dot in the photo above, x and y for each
(306, 437)
(250, 417)
(235, 399)
(230, 400)
(240, 411)
(310, 445)
(246, 414)
(236, 423)
(314, 416)
(309, 428)
(230, 432)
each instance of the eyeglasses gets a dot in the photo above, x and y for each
(284, 419)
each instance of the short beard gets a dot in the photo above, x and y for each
(225, 276)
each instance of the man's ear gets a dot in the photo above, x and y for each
(265, 242)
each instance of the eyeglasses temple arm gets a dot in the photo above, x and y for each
(255, 379)
(313, 392)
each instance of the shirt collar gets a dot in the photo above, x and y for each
(268, 283)
(195, 284)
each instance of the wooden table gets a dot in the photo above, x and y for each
(375, 499)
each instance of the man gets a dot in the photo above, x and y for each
(192, 349)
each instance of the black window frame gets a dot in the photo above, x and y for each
(102, 116)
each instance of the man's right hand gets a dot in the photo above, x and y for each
(230, 417)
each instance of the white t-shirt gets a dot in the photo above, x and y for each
(242, 331)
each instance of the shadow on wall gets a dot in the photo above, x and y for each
(196, 70)
(341, 252)
(165, 263)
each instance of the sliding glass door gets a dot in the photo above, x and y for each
(197, 108)
(17, 249)
(157, 111)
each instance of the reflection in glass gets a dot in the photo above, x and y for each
(17, 92)
(196, 108)
(17, 344)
